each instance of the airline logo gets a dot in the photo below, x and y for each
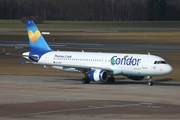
(115, 60)
(34, 36)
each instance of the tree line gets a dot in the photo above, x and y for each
(92, 10)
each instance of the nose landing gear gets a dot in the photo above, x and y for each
(150, 82)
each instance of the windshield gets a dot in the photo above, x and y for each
(160, 62)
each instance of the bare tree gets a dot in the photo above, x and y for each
(106, 10)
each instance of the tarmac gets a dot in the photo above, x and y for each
(35, 97)
(40, 98)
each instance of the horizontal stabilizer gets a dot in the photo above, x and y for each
(11, 54)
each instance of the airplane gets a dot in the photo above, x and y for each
(95, 66)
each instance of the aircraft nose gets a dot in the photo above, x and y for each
(169, 69)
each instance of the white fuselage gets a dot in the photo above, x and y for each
(113, 63)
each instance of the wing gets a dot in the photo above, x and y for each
(82, 68)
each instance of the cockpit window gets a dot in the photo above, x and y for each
(160, 62)
(163, 62)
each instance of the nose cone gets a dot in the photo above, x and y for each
(168, 69)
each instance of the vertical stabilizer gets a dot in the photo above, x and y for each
(36, 40)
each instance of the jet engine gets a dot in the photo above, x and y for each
(136, 77)
(98, 75)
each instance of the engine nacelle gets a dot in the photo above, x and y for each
(98, 75)
(136, 77)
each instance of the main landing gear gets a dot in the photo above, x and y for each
(111, 79)
(85, 80)
(150, 83)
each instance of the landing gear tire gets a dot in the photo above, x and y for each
(110, 80)
(150, 83)
(85, 81)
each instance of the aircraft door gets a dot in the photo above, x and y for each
(145, 63)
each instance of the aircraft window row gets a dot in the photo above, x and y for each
(160, 62)
(98, 60)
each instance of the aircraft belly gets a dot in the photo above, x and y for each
(64, 69)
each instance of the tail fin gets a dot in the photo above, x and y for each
(36, 40)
